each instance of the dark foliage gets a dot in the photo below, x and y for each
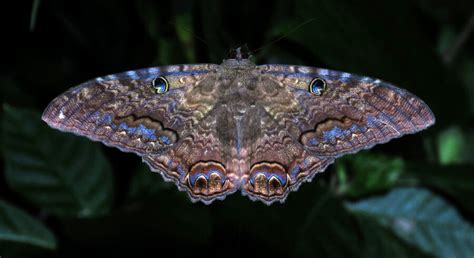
(64, 196)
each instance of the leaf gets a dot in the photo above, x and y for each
(18, 227)
(382, 242)
(61, 173)
(455, 146)
(170, 52)
(450, 145)
(456, 181)
(446, 39)
(313, 222)
(185, 34)
(422, 219)
(328, 229)
(370, 173)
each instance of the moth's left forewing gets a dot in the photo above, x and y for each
(125, 111)
(353, 112)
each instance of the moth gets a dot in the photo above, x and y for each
(217, 129)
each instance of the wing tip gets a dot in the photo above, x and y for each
(427, 115)
(49, 115)
(431, 118)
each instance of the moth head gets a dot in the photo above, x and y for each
(317, 86)
(160, 85)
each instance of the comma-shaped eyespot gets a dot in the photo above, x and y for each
(267, 181)
(317, 86)
(160, 85)
(207, 178)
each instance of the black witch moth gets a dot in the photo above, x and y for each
(216, 129)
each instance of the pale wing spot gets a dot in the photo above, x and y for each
(132, 74)
(323, 72)
(303, 70)
(345, 75)
(61, 115)
(389, 125)
(153, 70)
(173, 69)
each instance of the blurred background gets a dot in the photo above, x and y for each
(65, 196)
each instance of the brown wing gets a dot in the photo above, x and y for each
(273, 161)
(296, 134)
(124, 111)
(201, 162)
(276, 162)
(353, 113)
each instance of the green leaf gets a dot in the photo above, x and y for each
(61, 173)
(456, 181)
(422, 219)
(328, 229)
(450, 145)
(312, 222)
(18, 227)
(382, 242)
(370, 173)
(455, 146)
(170, 52)
(185, 34)
(446, 39)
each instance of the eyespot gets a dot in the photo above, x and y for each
(317, 86)
(160, 85)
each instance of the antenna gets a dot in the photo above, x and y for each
(283, 36)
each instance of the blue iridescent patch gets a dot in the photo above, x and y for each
(313, 142)
(296, 169)
(333, 133)
(165, 139)
(147, 133)
(181, 170)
